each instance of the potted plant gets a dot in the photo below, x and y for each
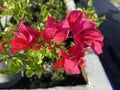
(31, 10)
(54, 51)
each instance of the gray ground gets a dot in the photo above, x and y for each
(111, 29)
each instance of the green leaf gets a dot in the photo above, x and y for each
(29, 73)
(51, 1)
(15, 65)
(38, 57)
(8, 72)
(47, 53)
(89, 3)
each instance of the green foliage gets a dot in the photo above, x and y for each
(18, 9)
(33, 64)
(90, 12)
(33, 12)
(33, 68)
(54, 8)
(89, 3)
(36, 55)
(14, 66)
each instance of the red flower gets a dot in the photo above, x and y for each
(49, 31)
(59, 63)
(91, 38)
(50, 22)
(73, 17)
(62, 31)
(26, 36)
(85, 32)
(57, 31)
(27, 33)
(78, 23)
(19, 44)
(48, 34)
(71, 58)
(2, 48)
(74, 52)
(81, 25)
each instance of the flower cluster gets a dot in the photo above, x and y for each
(83, 34)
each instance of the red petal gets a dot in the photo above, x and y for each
(97, 47)
(50, 22)
(63, 24)
(19, 44)
(71, 66)
(48, 34)
(82, 63)
(14, 50)
(30, 33)
(62, 53)
(61, 35)
(62, 31)
(59, 63)
(21, 35)
(73, 16)
(76, 51)
(82, 24)
(91, 38)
